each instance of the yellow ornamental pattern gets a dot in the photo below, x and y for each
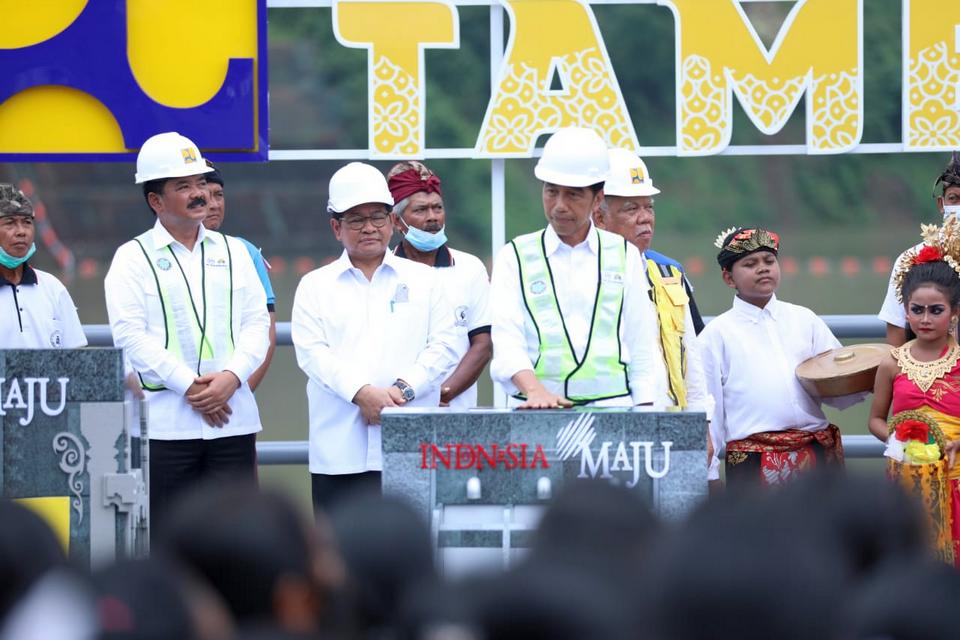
(523, 110)
(396, 110)
(931, 78)
(818, 51)
(553, 39)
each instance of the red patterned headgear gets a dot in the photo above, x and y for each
(406, 183)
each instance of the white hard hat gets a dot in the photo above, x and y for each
(573, 157)
(357, 183)
(169, 155)
(628, 176)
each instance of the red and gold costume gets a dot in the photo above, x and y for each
(933, 390)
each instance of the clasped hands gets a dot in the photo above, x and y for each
(372, 400)
(208, 395)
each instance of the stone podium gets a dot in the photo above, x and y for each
(482, 478)
(65, 449)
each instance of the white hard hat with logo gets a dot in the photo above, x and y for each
(628, 176)
(169, 155)
(573, 157)
(357, 183)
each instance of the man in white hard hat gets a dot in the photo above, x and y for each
(186, 306)
(627, 210)
(947, 197)
(36, 311)
(371, 331)
(216, 212)
(420, 216)
(572, 318)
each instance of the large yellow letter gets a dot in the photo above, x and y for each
(547, 37)
(819, 50)
(396, 33)
(931, 75)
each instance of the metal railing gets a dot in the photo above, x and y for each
(295, 451)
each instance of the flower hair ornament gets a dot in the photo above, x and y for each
(939, 244)
(742, 242)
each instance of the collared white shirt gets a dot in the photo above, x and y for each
(349, 332)
(467, 287)
(892, 311)
(137, 323)
(749, 359)
(515, 339)
(38, 313)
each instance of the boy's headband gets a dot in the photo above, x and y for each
(737, 242)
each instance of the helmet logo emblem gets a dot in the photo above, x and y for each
(188, 155)
(636, 176)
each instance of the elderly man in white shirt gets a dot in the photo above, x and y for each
(371, 331)
(37, 311)
(572, 318)
(187, 307)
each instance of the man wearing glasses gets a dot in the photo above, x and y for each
(371, 330)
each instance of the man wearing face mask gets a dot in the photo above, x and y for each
(37, 312)
(420, 216)
(948, 202)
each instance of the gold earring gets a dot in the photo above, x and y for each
(953, 324)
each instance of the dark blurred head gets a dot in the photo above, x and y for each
(907, 601)
(596, 525)
(746, 566)
(255, 550)
(28, 550)
(386, 547)
(153, 600)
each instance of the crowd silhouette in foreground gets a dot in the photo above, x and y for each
(828, 557)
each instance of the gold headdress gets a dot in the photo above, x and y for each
(939, 244)
(744, 241)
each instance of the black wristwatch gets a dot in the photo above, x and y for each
(405, 390)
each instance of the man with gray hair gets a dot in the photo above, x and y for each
(38, 312)
(420, 216)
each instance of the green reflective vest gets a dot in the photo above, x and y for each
(601, 373)
(200, 338)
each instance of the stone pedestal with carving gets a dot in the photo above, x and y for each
(482, 477)
(65, 446)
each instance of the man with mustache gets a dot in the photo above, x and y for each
(187, 307)
(38, 312)
(420, 216)
(627, 209)
(572, 318)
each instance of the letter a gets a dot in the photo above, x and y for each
(819, 50)
(553, 37)
(395, 33)
(931, 75)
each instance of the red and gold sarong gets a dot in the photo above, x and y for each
(772, 458)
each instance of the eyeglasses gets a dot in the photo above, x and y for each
(356, 223)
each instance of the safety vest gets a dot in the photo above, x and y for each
(601, 373)
(200, 338)
(671, 299)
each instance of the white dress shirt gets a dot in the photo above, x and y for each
(749, 359)
(137, 323)
(515, 340)
(467, 287)
(38, 313)
(892, 311)
(349, 332)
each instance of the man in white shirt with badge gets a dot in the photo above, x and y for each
(573, 323)
(371, 331)
(420, 216)
(37, 311)
(187, 307)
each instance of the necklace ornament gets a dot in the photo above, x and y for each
(924, 374)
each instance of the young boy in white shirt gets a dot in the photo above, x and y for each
(770, 426)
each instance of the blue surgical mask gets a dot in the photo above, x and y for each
(10, 262)
(424, 240)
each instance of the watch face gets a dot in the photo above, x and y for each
(408, 394)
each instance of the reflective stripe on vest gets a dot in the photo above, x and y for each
(670, 300)
(601, 374)
(201, 338)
